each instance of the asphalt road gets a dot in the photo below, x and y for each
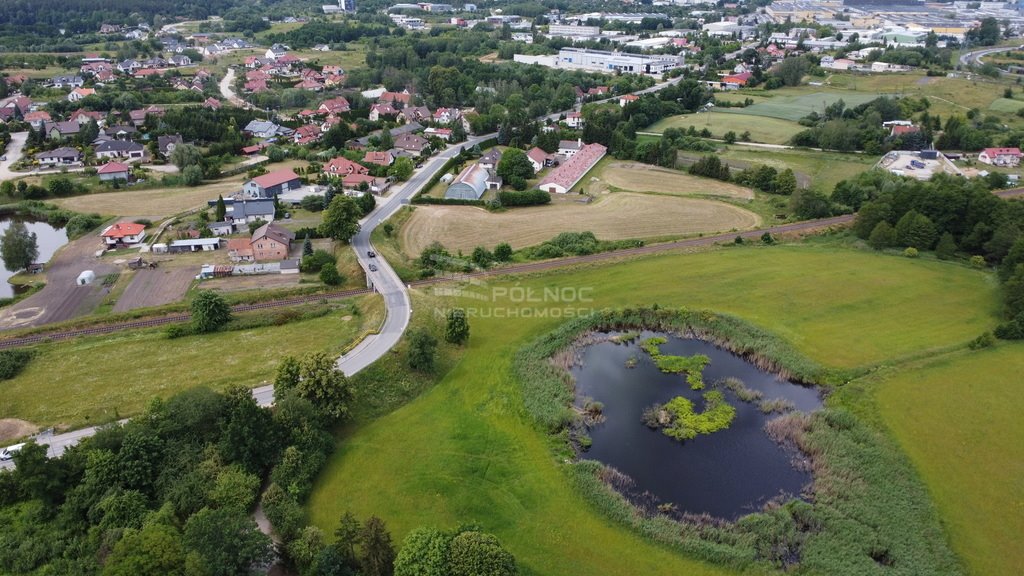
(973, 58)
(13, 154)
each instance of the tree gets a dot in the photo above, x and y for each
(482, 257)
(234, 488)
(1013, 296)
(869, 216)
(221, 210)
(192, 175)
(808, 204)
(305, 549)
(401, 169)
(366, 203)
(514, 164)
(478, 554)
(19, 247)
(422, 348)
(503, 252)
(341, 219)
(785, 182)
(318, 380)
(307, 246)
(791, 70)
(185, 155)
(916, 230)
(330, 276)
(156, 550)
(347, 537)
(424, 553)
(227, 540)
(209, 311)
(378, 554)
(456, 330)
(882, 237)
(946, 248)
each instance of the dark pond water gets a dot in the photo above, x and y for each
(49, 239)
(728, 473)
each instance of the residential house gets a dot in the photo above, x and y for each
(378, 158)
(120, 132)
(60, 156)
(411, 114)
(78, 94)
(120, 149)
(380, 111)
(167, 144)
(61, 130)
(597, 91)
(123, 234)
(395, 97)
(37, 119)
(563, 178)
(179, 60)
(337, 105)
(243, 212)
(67, 82)
(322, 48)
(373, 184)
(83, 117)
(212, 103)
(446, 115)
(490, 159)
(138, 117)
(310, 84)
(332, 69)
(240, 250)
(538, 158)
(221, 228)
(574, 120)
(271, 242)
(114, 171)
(363, 142)
(128, 66)
(442, 133)
(1000, 156)
(276, 51)
(271, 184)
(900, 130)
(627, 99)
(253, 62)
(569, 148)
(307, 134)
(737, 80)
(342, 166)
(256, 86)
(412, 143)
(262, 129)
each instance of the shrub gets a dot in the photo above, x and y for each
(316, 261)
(527, 198)
(986, 340)
(330, 276)
(12, 362)
(312, 203)
(910, 252)
(81, 224)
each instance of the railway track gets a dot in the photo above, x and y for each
(809, 225)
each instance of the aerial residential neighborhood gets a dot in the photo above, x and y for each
(397, 289)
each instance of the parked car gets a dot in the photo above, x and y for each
(373, 268)
(10, 451)
(371, 254)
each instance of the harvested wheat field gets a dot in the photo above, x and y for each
(613, 217)
(637, 177)
(152, 203)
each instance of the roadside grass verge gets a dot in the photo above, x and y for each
(466, 449)
(92, 380)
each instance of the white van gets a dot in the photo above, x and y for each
(10, 451)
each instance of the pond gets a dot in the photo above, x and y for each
(726, 473)
(49, 239)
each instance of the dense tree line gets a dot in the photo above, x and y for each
(838, 127)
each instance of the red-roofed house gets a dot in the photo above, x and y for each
(79, 93)
(574, 120)
(446, 115)
(379, 158)
(392, 97)
(342, 166)
(737, 80)
(310, 84)
(378, 111)
(628, 98)
(597, 91)
(83, 117)
(373, 185)
(332, 69)
(114, 171)
(335, 105)
(212, 103)
(307, 134)
(36, 119)
(538, 158)
(899, 130)
(256, 86)
(442, 133)
(271, 184)
(1000, 156)
(123, 234)
(563, 178)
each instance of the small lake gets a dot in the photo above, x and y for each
(728, 473)
(49, 239)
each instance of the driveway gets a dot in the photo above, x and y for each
(61, 299)
(13, 154)
(155, 287)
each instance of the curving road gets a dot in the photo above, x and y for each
(13, 154)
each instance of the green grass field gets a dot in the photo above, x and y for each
(822, 170)
(767, 130)
(1006, 105)
(98, 379)
(796, 106)
(465, 451)
(959, 419)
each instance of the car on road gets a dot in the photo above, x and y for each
(419, 166)
(9, 452)
(371, 254)
(373, 268)
(3, 158)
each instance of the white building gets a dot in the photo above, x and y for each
(603, 61)
(573, 31)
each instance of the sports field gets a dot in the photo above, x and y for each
(722, 120)
(638, 177)
(464, 451)
(959, 420)
(611, 217)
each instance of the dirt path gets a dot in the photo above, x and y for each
(155, 287)
(62, 299)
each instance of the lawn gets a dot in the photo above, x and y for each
(1006, 105)
(796, 106)
(818, 170)
(465, 450)
(98, 379)
(959, 419)
(639, 177)
(722, 120)
(617, 216)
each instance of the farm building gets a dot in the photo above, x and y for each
(271, 184)
(561, 179)
(194, 245)
(470, 184)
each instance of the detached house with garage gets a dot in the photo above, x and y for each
(271, 184)
(342, 167)
(1000, 156)
(123, 234)
(120, 149)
